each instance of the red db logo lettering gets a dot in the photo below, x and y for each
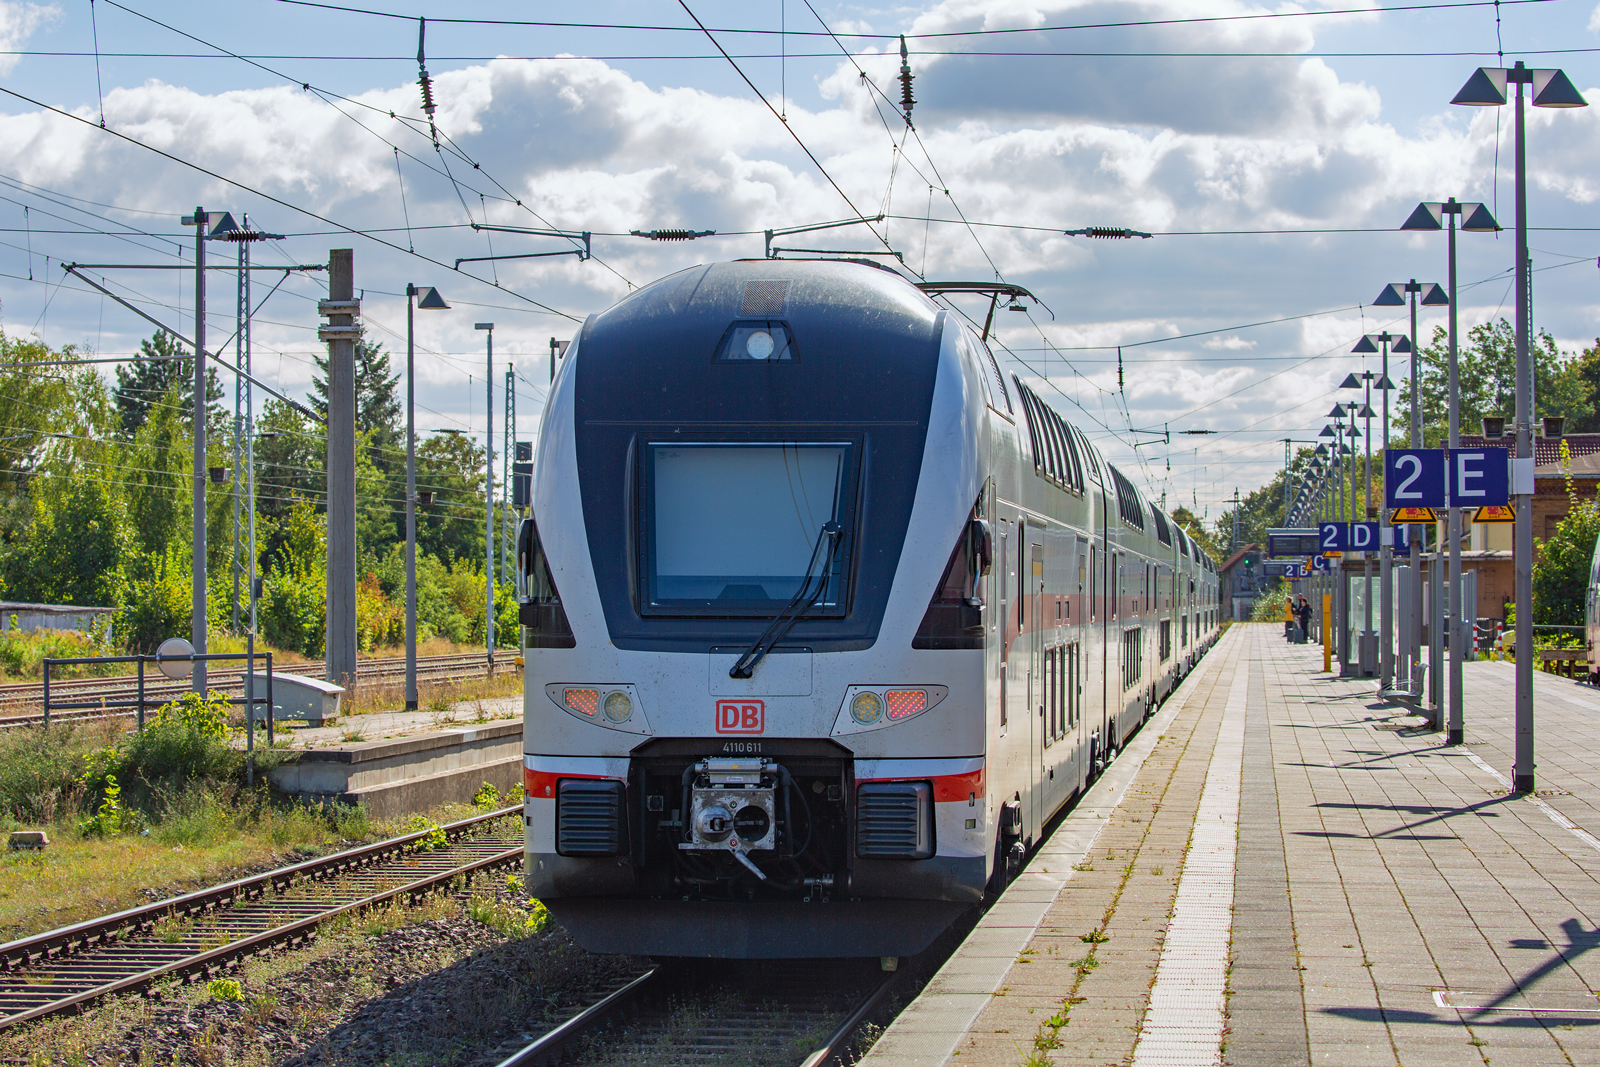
(741, 716)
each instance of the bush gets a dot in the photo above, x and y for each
(153, 598)
(380, 621)
(293, 611)
(1561, 573)
(23, 654)
(39, 771)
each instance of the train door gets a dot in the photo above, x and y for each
(1003, 585)
(1077, 740)
(1037, 683)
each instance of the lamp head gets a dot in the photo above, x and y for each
(428, 298)
(1350, 382)
(1552, 88)
(1475, 218)
(483, 326)
(1391, 296)
(1433, 295)
(1365, 345)
(1429, 215)
(1486, 88)
(1401, 346)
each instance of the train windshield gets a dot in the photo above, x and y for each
(730, 528)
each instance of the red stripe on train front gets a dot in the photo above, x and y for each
(947, 788)
(542, 784)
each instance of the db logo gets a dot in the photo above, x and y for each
(741, 716)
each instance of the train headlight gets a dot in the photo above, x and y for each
(609, 705)
(866, 708)
(618, 707)
(759, 344)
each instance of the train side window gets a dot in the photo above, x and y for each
(543, 618)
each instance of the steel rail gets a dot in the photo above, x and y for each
(543, 1049)
(840, 1037)
(113, 933)
(290, 932)
(547, 1049)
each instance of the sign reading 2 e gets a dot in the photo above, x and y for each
(1480, 477)
(1415, 478)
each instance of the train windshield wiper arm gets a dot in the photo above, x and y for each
(804, 600)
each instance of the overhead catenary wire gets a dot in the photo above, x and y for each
(870, 35)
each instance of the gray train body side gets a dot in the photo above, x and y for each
(996, 612)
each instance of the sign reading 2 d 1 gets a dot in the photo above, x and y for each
(1480, 477)
(1414, 478)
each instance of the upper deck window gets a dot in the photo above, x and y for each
(737, 528)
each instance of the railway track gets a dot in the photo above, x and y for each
(30, 695)
(201, 933)
(751, 1013)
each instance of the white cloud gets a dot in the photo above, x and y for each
(1283, 143)
(18, 21)
(1594, 19)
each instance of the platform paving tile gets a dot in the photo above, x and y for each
(1376, 866)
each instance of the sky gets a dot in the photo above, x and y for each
(1271, 151)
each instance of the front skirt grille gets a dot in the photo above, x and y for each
(894, 820)
(591, 818)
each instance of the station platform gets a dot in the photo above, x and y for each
(1283, 869)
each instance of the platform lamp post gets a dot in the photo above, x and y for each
(488, 494)
(1360, 381)
(427, 298)
(1487, 88)
(1431, 295)
(1383, 343)
(1475, 218)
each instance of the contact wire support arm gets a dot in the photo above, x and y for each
(745, 665)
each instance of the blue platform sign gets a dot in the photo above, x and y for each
(1348, 536)
(1321, 563)
(1480, 477)
(1415, 478)
(1363, 537)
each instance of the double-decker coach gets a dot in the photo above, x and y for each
(824, 619)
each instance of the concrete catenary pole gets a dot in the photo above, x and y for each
(198, 617)
(341, 333)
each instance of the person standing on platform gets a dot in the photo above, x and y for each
(1304, 612)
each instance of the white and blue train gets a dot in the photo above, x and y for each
(824, 620)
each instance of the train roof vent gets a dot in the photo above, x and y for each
(764, 296)
(1163, 531)
(1128, 505)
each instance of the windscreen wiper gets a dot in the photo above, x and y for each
(804, 600)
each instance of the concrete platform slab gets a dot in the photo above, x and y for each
(1376, 870)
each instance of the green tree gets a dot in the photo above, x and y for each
(1561, 565)
(1190, 523)
(157, 472)
(1486, 382)
(1587, 370)
(70, 552)
(160, 368)
(377, 401)
(450, 465)
(291, 456)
